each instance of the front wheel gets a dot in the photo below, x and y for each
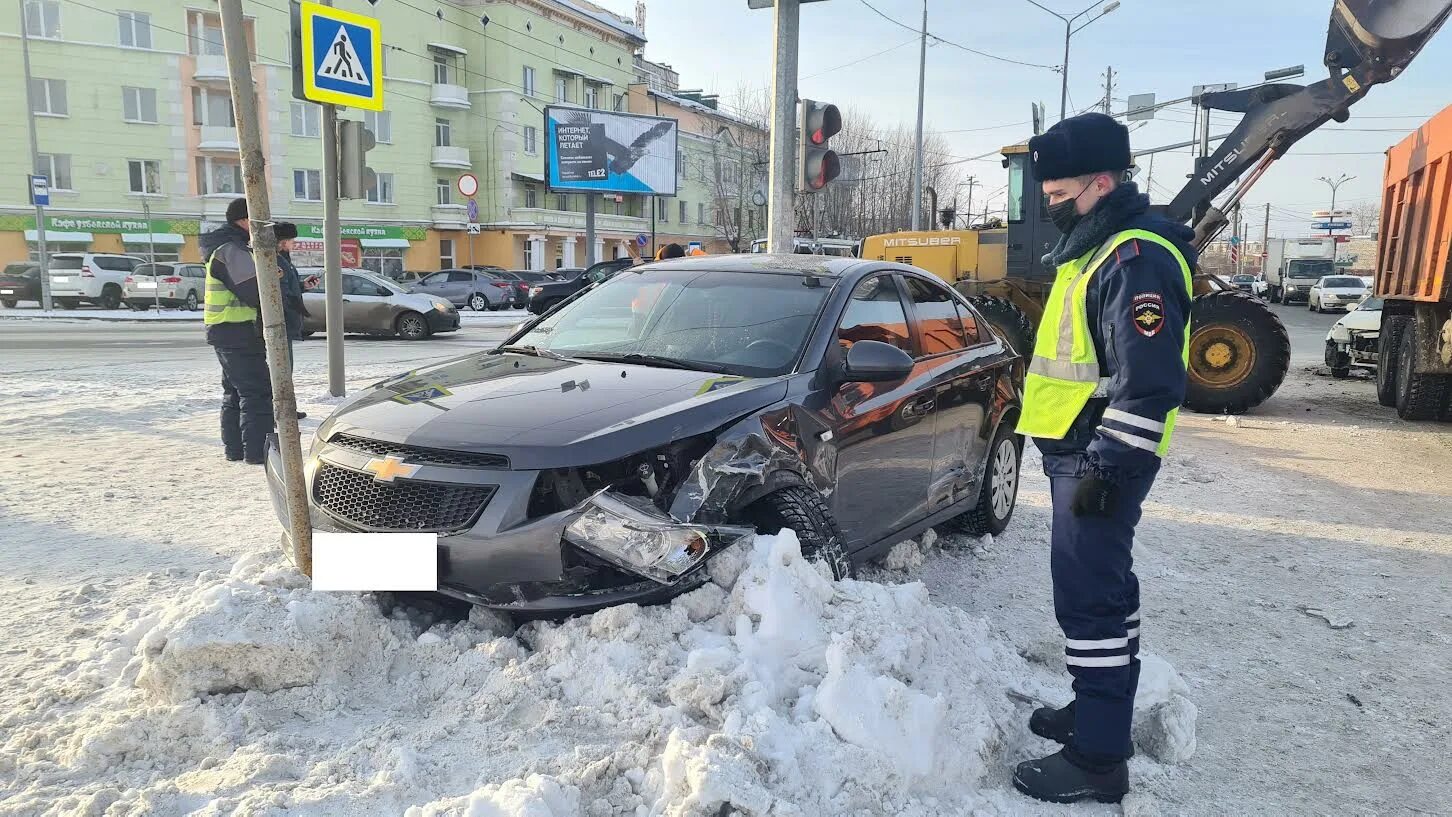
(999, 494)
(1239, 353)
(802, 510)
(412, 326)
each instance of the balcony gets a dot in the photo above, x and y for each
(442, 95)
(451, 156)
(210, 68)
(604, 222)
(218, 137)
(449, 216)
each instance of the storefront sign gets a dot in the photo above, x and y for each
(102, 224)
(359, 231)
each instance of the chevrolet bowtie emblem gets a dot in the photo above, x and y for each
(389, 468)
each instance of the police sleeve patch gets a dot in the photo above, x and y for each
(1148, 311)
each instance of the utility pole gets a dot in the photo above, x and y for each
(1334, 184)
(1108, 88)
(1069, 32)
(1237, 245)
(332, 251)
(1265, 239)
(782, 182)
(917, 222)
(45, 302)
(972, 182)
(269, 288)
(590, 259)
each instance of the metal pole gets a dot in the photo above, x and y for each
(918, 159)
(782, 182)
(1108, 87)
(1239, 240)
(1064, 84)
(269, 287)
(332, 252)
(653, 249)
(45, 302)
(151, 254)
(1265, 235)
(590, 258)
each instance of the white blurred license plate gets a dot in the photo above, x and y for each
(360, 562)
(145, 285)
(60, 279)
(7, 292)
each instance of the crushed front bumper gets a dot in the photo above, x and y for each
(500, 559)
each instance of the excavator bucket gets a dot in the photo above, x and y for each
(1382, 35)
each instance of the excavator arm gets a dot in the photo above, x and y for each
(1369, 42)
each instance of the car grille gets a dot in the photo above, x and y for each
(359, 500)
(425, 456)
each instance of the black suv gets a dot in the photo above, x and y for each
(544, 296)
(608, 450)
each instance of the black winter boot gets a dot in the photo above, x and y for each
(1053, 724)
(1057, 779)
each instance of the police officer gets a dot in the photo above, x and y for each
(1103, 389)
(232, 330)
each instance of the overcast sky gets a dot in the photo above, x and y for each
(1156, 46)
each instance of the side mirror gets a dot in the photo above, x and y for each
(872, 361)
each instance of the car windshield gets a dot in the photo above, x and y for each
(1344, 282)
(1369, 305)
(1244, 279)
(745, 323)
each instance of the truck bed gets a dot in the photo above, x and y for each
(1415, 238)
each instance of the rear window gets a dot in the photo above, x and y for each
(153, 269)
(19, 270)
(65, 262)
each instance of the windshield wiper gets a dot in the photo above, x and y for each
(531, 350)
(659, 361)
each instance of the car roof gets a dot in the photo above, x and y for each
(782, 264)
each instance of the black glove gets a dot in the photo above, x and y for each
(1095, 496)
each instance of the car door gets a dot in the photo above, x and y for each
(883, 432)
(365, 309)
(960, 370)
(434, 284)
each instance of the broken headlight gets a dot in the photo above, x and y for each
(630, 532)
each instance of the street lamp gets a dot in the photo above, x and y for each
(1070, 31)
(1331, 218)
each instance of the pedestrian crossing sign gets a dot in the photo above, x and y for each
(342, 55)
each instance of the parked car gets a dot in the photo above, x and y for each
(475, 289)
(1336, 292)
(1253, 284)
(374, 305)
(95, 278)
(1354, 340)
(19, 282)
(170, 284)
(407, 278)
(520, 290)
(606, 452)
(543, 297)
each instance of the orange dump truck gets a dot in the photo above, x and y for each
(1414, 274)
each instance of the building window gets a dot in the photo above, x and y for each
(212, 108)
(592, 96)
(381, 123)
(442, 133)
(446, 253)
(681, 164)
(206, 35)
(145, 176)
(620, 102)
(381, 191)
(562, 89)
(49, 97)
(138, 104)
(562, 202)
(387, 262)
(135, 28)
(445, 191)
(531, 196)
(700, 213)
(307, 185)
(159, 253)
(662, 210)
(528, 82)
(530, 135)
(216, 177)
(307, 119)
(42, 18)
(683, 212)
(528, 254)
(443, 69)
(57, 168)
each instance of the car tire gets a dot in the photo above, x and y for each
(802, 510)
(9, 303)
(479, 303)
(307, 333)
(1389, 345)
(411, 326)
(110, 297)
(999, 494)
(68, 303)
(137, 306)
(1419, 396)
(191, 301)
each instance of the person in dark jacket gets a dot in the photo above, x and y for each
(1104, 386)
(232, 330)
(293, 308)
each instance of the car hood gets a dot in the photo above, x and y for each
(544, 413)
(1357, 320)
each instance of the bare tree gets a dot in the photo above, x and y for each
(1367, 214)
(739, 159)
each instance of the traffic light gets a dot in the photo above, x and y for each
(354, 175)
(819, 122)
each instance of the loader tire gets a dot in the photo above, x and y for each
(1010, 321)
(1239, 353)
(1419, 396)
(1388, 350)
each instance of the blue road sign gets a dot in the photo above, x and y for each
(40, 191)
(1332, 225)
(344, 57)
(472, 210)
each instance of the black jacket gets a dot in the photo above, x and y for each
(293, 308)
(229, 260)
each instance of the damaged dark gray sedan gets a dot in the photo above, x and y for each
(612, 447)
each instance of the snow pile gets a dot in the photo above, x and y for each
(1164, 715)
(770, 689)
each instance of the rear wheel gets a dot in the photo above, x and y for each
(999, 494)
(478, 302)
(802, 510)
(191, 302)
(138, 306)
(9, 303)
(411, 326)
(1419, 396)
(68, 303)
(1239, 353)
(1389, 345)
(110, 297)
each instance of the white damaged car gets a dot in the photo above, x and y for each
(1353, 340)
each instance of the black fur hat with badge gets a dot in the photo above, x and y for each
(1080, 145)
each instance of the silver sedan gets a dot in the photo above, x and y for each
(374, 305)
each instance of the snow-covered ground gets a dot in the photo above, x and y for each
(161, 659)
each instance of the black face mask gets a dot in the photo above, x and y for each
(1064, 215)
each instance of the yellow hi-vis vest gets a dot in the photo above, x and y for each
(221, 305)
(1064, 374)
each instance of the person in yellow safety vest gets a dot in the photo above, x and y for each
(234, 334)
(1103, 388)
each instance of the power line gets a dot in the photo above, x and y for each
(959, 46)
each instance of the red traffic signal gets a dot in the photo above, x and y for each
(819, 122)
